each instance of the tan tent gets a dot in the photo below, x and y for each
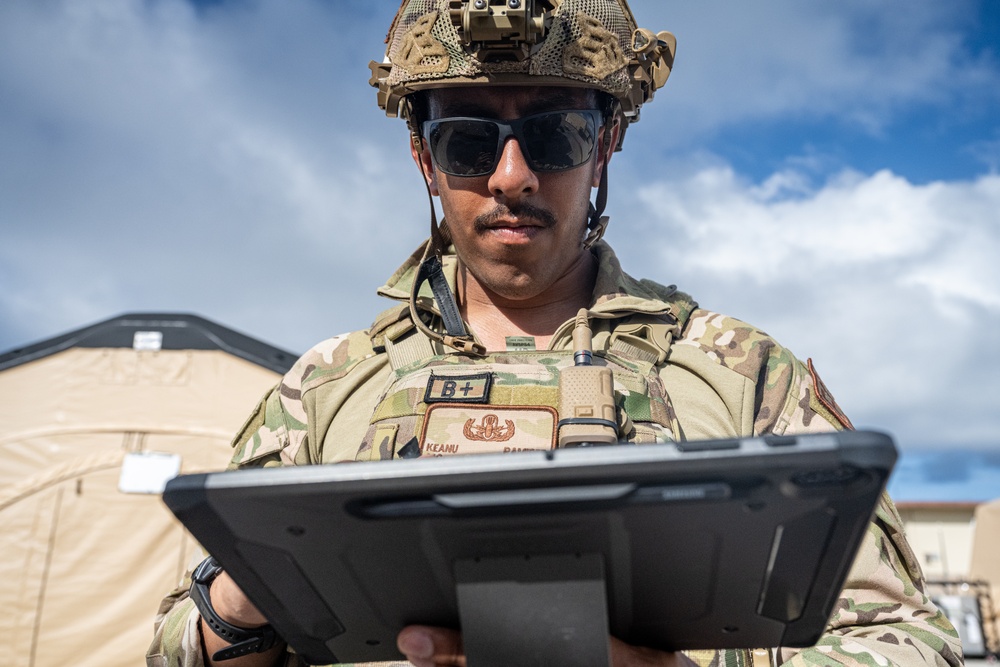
(91, 424)
(985, 565)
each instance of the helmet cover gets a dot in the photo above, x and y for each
(583, 43)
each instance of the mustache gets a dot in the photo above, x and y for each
(523, 210)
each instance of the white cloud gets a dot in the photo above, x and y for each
(155, 159)
(764, 231)
(893, 287)
(854, 62)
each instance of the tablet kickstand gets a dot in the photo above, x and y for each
(533, 611)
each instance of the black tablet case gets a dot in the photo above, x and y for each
(705, 544)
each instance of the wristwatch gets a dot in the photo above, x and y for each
(244, 641)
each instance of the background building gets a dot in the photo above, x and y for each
(958, 547)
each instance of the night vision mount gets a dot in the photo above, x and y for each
(501, 30)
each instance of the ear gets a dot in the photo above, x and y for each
(606, 148)
(422, 157)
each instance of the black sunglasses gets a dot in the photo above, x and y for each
(550, 141)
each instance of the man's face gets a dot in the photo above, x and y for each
(516, 230)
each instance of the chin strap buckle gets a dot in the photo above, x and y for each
(466, 345)
(596, 232)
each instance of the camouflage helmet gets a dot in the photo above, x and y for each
(583, 43)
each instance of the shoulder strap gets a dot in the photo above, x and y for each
(394, 333)
(643, 338)
(648, 336)
(649, 342)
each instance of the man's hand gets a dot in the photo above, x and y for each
(232, 604)
(436, 647)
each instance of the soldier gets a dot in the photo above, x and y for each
(515, 108)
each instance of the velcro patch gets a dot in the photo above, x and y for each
(486, 429)
(826, 399)
(459, 388)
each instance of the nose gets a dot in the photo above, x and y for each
(512, 178)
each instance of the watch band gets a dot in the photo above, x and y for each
(244, 641)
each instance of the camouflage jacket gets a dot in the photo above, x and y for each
(712, 376)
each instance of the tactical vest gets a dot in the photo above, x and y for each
(438, 403)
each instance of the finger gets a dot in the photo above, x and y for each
(426, 646)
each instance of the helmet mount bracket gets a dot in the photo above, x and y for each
(501, 30)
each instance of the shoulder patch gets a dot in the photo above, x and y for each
(823, 396)
(253, 423)
(264, 434)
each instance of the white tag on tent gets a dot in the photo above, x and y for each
(147, 340)
(148, 472)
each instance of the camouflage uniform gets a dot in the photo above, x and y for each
(680, 372)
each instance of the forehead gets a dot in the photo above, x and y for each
(506, 102)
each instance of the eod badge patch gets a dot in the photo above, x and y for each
(485, 429)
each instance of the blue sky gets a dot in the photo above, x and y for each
(944, 134)
(826, 171)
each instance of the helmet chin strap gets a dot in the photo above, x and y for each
(431, 270)
(598, 223)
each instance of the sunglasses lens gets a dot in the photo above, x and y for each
(465, 147)
(552, 141)
(558, 141)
